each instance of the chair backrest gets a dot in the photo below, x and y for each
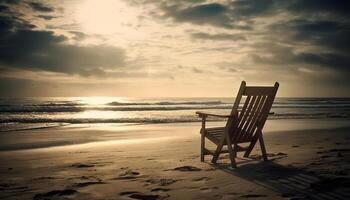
(252, 117)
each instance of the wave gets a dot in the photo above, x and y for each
(148, 108)
(15, 126)
(34, 109)
(60, 109)
(115, 103)
(168, 119)
(48, 109)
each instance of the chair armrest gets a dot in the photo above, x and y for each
(270, 113)
(203, 114)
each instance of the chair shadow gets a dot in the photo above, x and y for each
(289, 181)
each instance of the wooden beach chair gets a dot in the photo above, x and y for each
(243, 127)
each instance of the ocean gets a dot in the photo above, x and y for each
(29, 113)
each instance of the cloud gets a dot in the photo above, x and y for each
(9, 1)
(327, 7)
(330, 34)
(227, 66)
(219, 36)
(25, 48)
(229, 15)
(47, 17)
(330, 60)
(77, 35)
(3, 8)
(213, 14)
(272, 33)
(285, 56)
(36, 6)
(244, 9)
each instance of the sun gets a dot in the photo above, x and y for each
(101, 17)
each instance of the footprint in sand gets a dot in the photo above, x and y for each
(252, 195)
(45, 178)
(208, 189)
(187, 168)
(54, 194)
(160, 190)
(202, 179)
(88, 180)
(336, 150)
(128, 174)
(271, 155)
(12, 187)
(127, 193)
(161, 182)
(81, 165)
(141, 196)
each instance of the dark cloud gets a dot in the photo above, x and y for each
(47, 17)
(9, 24)
(243, 9)
(25, 48)
(330, 34)
(36, 6)
(330, 60)
(285, 56)
(232, 15)
(213, 14)
(4, 8)
(9, 1)
(219, 36)
(313, 7)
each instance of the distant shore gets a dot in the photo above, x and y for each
(161, 161)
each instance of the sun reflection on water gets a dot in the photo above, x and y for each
(103, 101)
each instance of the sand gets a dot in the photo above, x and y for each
(309, 159)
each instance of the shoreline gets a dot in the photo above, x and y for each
(57, 136)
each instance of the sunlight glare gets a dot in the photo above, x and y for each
(101, 17)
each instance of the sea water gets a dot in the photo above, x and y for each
(26, 113)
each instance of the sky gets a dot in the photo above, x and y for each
(173, 48)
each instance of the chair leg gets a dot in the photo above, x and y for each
(232, 154)
(263, 148)
(218, 150)
(250, 148)
(216, 154)
(202, 147)
(231, 151)
(252, 144)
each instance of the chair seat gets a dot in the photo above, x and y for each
(214, 134)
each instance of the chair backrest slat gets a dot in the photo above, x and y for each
(253, 115)
(250, 119)
(252, 127)
(231, 125)
(246, 113)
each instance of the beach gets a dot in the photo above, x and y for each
(309, 159)
(121, 99)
